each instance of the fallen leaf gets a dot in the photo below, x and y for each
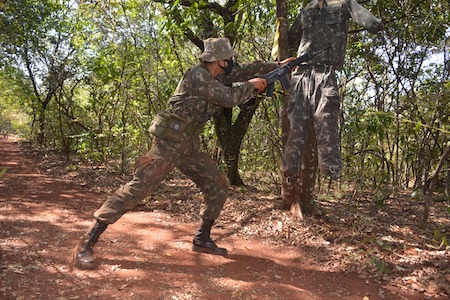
(33, 267)
(432, 287)
(447, 277)
(417, 287)
(401, 269)
(236, 294)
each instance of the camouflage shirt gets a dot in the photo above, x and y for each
(319, 28)
(198, 95)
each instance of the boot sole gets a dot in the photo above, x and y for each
(209, 251)
(82, 266)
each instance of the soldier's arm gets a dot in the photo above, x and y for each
(244, 72)
(364, 17)
(214, 91)
(295, 34)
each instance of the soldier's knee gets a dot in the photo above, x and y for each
(289, 170)
(221, 189)
(216, 189)
(223, 183)
(333, 171)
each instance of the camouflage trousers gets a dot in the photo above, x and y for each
(154, 166)
(314, 100)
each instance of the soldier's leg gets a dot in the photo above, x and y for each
(326, 122)
(298, 115)
(214, 185)
(298, 192)
(308, 171)
(150, 170)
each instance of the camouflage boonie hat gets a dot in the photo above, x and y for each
(217, 49)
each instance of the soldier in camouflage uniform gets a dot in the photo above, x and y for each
(313, 106)
(203, 89)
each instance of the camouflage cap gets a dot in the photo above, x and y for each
(217, 49)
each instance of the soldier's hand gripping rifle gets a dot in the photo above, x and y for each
(281, 73)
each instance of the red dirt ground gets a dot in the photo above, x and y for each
(146, 255)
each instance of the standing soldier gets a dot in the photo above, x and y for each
(200, 93)
(313, 106)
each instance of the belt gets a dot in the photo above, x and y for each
(178, 123)
(172, 127)
(192, 130)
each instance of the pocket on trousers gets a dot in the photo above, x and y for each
(158, 126)
(168, 126)
(331, 94)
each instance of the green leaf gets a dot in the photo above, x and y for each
(418, 126)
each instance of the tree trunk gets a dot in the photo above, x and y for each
(298, 197)
(308, 174)
(447, 182)
(283, 46)
(41, 140)
(429, 187)
(231, 135)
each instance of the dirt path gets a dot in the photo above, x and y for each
(146, 255)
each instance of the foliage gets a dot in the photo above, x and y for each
(261, 152)
(395, 101)
(87, 77)
(15, 100)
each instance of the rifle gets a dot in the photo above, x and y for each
(280, 73)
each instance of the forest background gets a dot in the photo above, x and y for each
(84, 79)
(87, 78)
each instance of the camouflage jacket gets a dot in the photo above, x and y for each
(319, 28)
(198, 95)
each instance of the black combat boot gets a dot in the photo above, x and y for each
(84, 254)
(202, 241)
